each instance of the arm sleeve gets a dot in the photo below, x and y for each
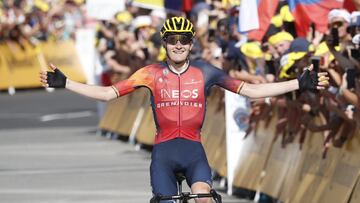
(220, 78)
(144, 77)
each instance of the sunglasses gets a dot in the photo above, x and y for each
(183, 39)
(336, 24)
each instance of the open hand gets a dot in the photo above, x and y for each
(53, 79)
(311, 80)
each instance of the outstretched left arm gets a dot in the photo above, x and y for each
(307, 81)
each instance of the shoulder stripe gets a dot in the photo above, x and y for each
(240, 87)
(116, 91)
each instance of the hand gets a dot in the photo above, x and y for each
(310, 80)
(53, 79)
(344, 84)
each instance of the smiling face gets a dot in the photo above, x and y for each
(282, 47)
(178, 48)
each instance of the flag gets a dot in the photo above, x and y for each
(306, 12)
(173, 5)
(248, 16)
(265, 10)
(349, 5)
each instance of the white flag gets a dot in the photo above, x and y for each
(248, 18)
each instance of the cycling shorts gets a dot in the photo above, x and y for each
(174, 156)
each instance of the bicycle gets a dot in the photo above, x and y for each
(184, 197)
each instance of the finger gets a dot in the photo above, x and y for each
(323, 78)
(43, 76)
(310, 68)
(323, 83)
(322, 74)
(344, 76)
(52, 66)
(320, 87)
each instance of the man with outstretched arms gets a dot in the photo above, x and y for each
(178, 89)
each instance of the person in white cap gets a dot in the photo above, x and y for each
(354, 27)
(339, 19)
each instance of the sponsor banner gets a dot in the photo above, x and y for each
(63, 55)
(355, 193)
(254, 155)
(213, 132)
(22, 64)
(236, 114)
(147, 130)
(315, 172)
(4, 72)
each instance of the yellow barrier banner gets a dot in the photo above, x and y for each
(254, 156)
(355, 193)
(22, 65)
(213, 134)
(64, 56)
(4, 73)
(147, 129)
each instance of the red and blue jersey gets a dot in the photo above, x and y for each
(178, 100)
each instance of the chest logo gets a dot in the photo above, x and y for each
(165, 71)
(192, 82)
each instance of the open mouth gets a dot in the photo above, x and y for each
(178, 52)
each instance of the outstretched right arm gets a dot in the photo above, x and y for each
(58, 80)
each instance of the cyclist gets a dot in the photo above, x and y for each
(178, 96)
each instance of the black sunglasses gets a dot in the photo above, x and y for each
(183, 39)
(336, 24)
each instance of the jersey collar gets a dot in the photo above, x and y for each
(185, 67)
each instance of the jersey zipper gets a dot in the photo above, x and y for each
(179, 76)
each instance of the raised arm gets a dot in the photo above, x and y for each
(57, 79)
(307, 81)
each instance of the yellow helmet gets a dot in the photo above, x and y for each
(177, 25)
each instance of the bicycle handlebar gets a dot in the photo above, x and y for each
(187, 196)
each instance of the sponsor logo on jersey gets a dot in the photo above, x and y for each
(175, 94)
(165, 71)
(192, 82)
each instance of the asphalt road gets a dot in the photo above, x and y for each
(50, 152)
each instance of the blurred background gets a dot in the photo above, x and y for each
(56, 146)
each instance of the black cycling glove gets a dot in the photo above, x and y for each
(308, 80)
(56, 79)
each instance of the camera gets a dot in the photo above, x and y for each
(316, 62)
(355, 54)
(211, 35)
(350, 78)
(335, 36)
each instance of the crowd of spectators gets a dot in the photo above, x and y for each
(30, 22)
(131, 40)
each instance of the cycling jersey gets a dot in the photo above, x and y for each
(178, 100)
